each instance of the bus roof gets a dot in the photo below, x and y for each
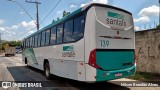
(85, 8)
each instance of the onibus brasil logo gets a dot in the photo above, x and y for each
(115, 19)
(8, 84)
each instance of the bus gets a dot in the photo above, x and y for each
(92, 44)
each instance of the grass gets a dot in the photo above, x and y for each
(143, 76)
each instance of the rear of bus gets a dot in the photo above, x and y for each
(109, 43)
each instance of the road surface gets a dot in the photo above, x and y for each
(12, 69)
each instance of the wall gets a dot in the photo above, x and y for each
(148, 51)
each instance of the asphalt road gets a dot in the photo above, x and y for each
(12, 69)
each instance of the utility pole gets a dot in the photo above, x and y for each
(37, 15)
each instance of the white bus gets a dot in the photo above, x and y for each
(94, 43)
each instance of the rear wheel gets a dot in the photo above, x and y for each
(47, 70)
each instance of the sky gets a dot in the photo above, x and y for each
(16, 24)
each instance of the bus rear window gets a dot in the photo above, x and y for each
(115, 19)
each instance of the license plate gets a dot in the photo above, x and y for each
(118, 74)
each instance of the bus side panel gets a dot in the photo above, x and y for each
(48, 53)
(54, 66)
(90, 43)
(61, 63)
(41, 55)
(69, 55)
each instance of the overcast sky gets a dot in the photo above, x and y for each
(15, 24)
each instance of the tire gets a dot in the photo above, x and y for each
(47, 71)
(26, 62)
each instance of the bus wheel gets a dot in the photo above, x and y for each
(26, 62)
(47, 70)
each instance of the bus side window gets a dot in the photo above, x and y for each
(43, 38)
(78, 27)
(53, 36)
(47, 37)
(26, 43)
(59, 33)
(33, 43)
(39, 39)
(68, 31)
(30, 42)
(36, 39)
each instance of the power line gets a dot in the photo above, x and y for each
(23, 9)
(46, 7)
(51, 10)
(20, 17)
(24, 33)
(60, 7)
(41, 21)
(15, 17)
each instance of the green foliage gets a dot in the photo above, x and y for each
(144, 76)
(10, 43)
(58, 18)
(1, 47)
(158, 26)
(53, 20)
(65, 13)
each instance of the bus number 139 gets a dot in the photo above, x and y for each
(104, 43)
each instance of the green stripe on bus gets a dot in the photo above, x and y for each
(29, 53)
(113, 61)
(115, 15)
(110, 75)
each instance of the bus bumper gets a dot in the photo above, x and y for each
(116, 74)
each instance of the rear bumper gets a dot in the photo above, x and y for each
(110, 75)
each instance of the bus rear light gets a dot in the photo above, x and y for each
(92, 59)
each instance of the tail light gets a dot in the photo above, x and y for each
(92, 59)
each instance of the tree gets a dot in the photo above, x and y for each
(158, 26)
(65, 13)
(58, 18)
(53, 20)
(11, 43)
